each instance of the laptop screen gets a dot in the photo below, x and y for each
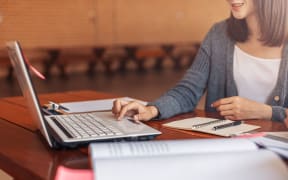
(22, 73)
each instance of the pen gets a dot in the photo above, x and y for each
(207, 123)
(234, 123)
(58, 106)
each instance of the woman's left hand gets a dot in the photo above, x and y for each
(286, 119)
(238, 108)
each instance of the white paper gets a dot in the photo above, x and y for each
(187, 124)
(282, 152)
(169, 147)
(268, 142)
(274, 141)
(94, 105)
(250, 165)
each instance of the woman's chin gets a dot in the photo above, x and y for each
(238, 16)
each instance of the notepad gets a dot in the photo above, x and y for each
(206, 125)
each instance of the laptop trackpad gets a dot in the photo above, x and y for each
(125, 125)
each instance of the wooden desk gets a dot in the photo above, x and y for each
(24, 153)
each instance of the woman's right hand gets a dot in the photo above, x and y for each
(134, 109)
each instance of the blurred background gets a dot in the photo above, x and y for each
(136, 48)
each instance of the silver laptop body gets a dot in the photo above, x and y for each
(63, 130)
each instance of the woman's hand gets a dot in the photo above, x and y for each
(286, 119)
(137, 111)
(238, 108)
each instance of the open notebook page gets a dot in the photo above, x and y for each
(250, 165)
(168, 147)
(206, 159)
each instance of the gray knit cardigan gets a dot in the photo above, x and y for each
(212, 70)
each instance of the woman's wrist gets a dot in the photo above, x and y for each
(266, 113)
(154, 111)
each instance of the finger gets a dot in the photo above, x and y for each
(130, 106)
(130, 113)
(234, 118)
(146, 113)
(227, 113)
(117, 106)
(136, 119)
(222, 101)
(225, 107)
(141, 117)
(229, 117)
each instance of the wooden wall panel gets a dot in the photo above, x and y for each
(104, 27)
(68, 23)
(150, 21)
(48, 23)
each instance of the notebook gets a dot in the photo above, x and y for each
(204, 159)
(73, 129)
(209, 125)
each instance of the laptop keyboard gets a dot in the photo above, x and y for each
(85, 125)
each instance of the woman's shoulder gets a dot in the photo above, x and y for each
(220, 27)
(219, 31)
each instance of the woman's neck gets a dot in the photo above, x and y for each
(256, 47)
(253, 26)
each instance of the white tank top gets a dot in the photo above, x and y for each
(255, 77)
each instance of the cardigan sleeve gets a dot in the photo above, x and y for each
(278, 113)
(186, 94)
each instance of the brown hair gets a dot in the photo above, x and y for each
(273, 22)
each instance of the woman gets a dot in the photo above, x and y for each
(242, 63)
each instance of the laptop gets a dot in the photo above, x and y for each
(73, 130)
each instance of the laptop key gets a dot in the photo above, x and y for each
(87, 125)
(68, 134)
